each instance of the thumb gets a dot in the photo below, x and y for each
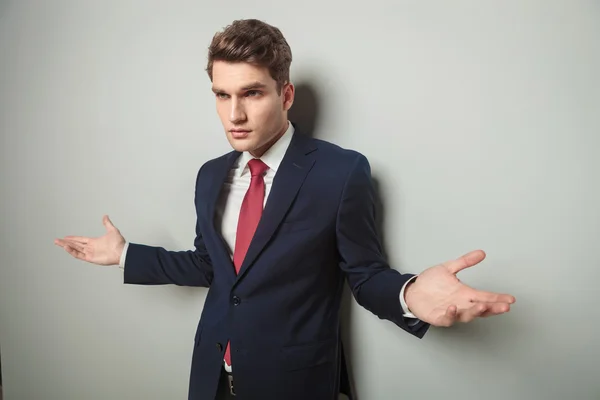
(108, 223)
(466, 261)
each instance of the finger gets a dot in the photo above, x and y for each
(476, 310)
(487, 314)
(79, 247)
(449, 317)
(78, 239)
(491, 297)
(496, 310)
(76, 245)
(77, 254)
(466, 261)
(481, 310)
(107, 223)
(61, 242)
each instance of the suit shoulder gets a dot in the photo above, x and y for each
(339, 154)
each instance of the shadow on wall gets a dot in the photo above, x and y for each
(305, 110)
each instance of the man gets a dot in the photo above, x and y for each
(282, 221)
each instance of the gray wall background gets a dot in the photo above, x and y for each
(481, 123)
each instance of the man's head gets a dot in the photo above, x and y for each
(249, 66)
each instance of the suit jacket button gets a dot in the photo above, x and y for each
(236, 301)
(219, 347)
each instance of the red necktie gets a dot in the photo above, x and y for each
(250, 213)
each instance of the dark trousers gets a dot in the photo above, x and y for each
(223, 391)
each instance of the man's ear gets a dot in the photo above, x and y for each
(288, 92)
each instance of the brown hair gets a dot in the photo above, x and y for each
(254, 42)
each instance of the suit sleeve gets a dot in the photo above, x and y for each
(148, 265)
(374, 284)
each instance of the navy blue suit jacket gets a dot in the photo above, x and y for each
(282, 311)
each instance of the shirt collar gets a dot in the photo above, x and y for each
(272, 157)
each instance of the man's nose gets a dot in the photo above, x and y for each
(237, 113)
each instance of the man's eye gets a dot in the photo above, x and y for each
(222, 95)
(253, 93)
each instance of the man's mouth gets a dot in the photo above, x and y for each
(239, 133)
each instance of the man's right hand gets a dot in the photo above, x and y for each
(103, 250)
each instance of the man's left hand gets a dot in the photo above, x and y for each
(439, 298)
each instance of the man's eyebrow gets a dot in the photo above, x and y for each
(255, 85)
(250, 86)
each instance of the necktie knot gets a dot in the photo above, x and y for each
(257, 167)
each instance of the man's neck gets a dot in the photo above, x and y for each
(262, 150)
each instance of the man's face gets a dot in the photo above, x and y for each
(252, 112)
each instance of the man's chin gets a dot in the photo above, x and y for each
(241, 145)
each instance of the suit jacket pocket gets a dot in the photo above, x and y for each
(307, 355)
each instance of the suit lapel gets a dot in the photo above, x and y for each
(292, 172)
(215, 184)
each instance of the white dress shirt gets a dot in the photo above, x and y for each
(234, 190)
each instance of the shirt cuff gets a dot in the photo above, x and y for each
(407, 313)
(123, 256)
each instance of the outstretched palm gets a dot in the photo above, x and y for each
(438, 297)
(103, 250)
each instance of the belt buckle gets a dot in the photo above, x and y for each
(230, 381)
